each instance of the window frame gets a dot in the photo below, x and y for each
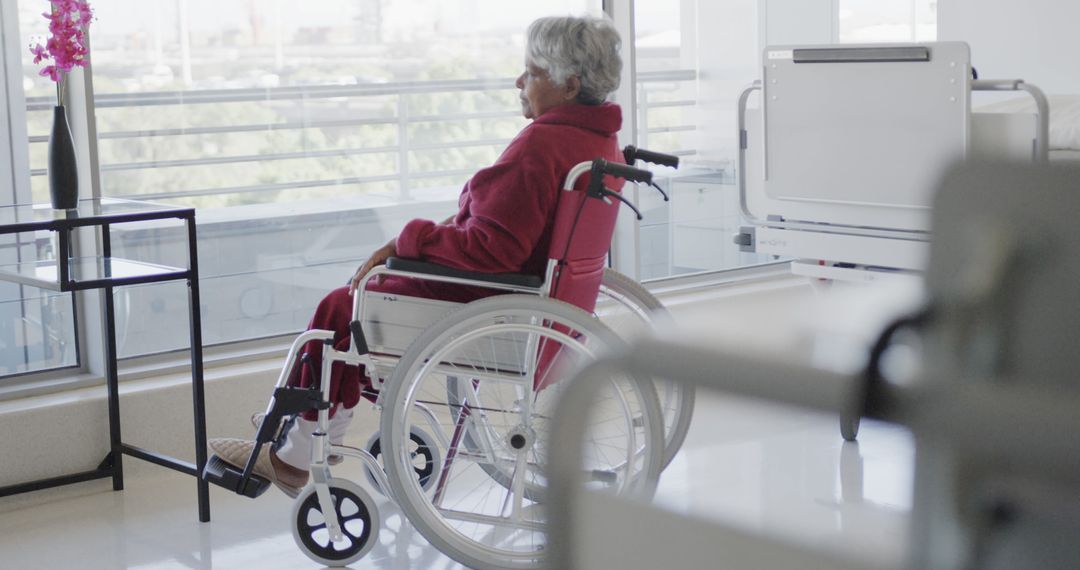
(14, 162)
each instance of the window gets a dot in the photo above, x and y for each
(305, 134)
(36, 326)
(867, 21)
(693, 60)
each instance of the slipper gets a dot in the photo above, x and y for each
(257, 420)
(237, 451)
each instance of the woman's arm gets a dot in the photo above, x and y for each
(380, 256)
(504, 211)
(507, 208)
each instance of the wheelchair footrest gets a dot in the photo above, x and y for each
(220, 472)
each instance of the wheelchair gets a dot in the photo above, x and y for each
(466, 395)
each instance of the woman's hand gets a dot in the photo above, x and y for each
(378, 258)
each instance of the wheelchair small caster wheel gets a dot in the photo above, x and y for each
(357, 515)
(849, 426)
(424, 452)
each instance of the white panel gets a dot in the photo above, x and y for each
(391, 322)
(866, 133)
(852, 167)
(856, 274)
(863, 250)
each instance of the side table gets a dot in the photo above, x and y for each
(104, 272)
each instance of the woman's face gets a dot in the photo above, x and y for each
(539, 93)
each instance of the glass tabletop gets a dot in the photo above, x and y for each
(45, 274)
(89, 208)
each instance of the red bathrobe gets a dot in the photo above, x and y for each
(503, 225)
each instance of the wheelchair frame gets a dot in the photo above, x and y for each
(289, 401)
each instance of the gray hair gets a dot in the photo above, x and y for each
(586, 47)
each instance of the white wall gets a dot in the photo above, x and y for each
(1035, 40)
(788, 22)
(59, 434)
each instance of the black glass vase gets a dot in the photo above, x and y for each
(63, 172)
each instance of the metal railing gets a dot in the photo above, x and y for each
(401, 118)
(652, 82)
(382, 106)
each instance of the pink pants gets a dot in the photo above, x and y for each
(346, 382)
(334, 313)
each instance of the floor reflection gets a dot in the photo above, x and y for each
(768, 470)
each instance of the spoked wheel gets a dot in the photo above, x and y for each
(457, 396)
(356, 513)
(628, 308)
(422, 449)
(485, 381)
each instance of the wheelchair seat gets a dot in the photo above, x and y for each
(583, 226)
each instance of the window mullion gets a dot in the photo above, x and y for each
(15, 164)
(14, 152)
(79, 95)
(626, 241)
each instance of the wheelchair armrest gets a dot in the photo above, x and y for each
(424, 267)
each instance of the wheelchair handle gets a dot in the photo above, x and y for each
(600, 167)
(629, 173)
(632, 153)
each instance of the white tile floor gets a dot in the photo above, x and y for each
(782, 472)
(754, 466)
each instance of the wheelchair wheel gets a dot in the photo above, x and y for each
(485, 380)
(423, 450)
(357, 514)
(627, 307)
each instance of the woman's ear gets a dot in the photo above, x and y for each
(572, 88)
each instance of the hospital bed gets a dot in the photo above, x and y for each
(1064, 129)
(993, 413)
(837, 163)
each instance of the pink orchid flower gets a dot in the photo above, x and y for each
(66, 46)
(39, 52)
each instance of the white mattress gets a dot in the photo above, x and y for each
(1064, 117)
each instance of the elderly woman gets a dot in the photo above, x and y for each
(504, 219)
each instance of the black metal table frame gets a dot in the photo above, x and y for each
(112, 465)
